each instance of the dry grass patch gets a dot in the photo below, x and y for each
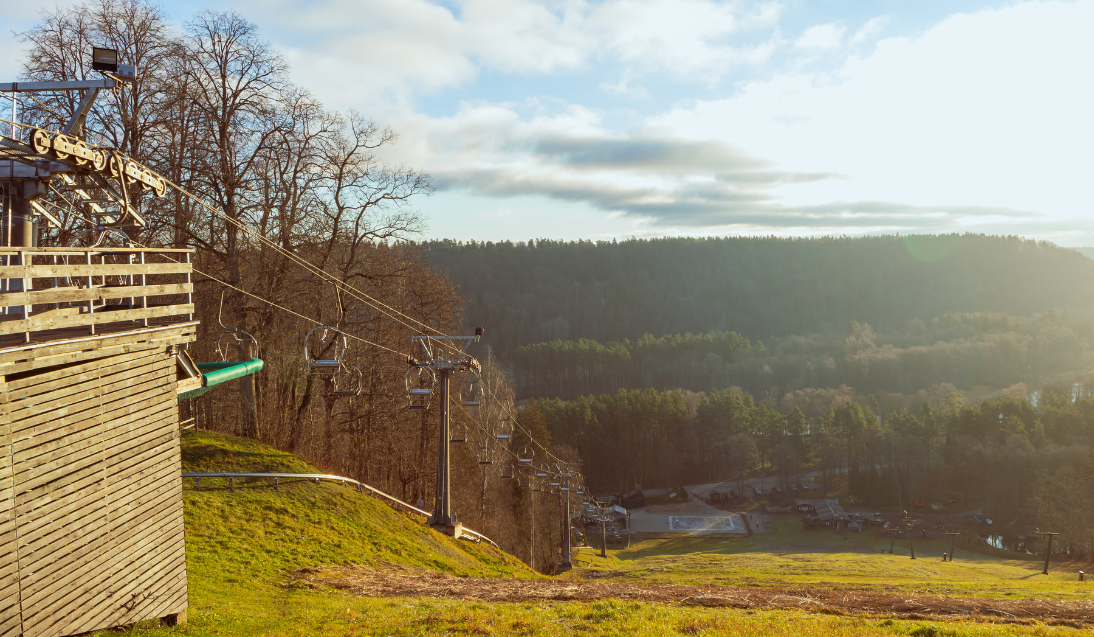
(416, 583)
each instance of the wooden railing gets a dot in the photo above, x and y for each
(48, 289)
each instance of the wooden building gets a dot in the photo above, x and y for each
(91, 521)
(822, 513)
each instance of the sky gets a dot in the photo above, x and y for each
(573, 119)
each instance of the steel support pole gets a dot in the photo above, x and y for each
(566, 564)
(443, 519)
(1048, 552)
(604, 536)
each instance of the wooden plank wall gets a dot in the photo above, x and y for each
(10, 619)
(92, 451)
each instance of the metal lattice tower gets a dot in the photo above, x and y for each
(443, 518)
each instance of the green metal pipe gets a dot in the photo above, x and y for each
(217, 373)
(213, 374)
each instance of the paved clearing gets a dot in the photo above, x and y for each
(692, 516)
(400, 582)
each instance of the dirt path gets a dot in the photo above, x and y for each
(395, 582)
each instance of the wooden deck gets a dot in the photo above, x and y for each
(91, 526)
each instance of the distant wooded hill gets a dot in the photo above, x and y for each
(760, 288)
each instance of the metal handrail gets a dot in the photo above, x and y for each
(331, 478)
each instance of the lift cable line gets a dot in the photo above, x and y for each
(564, 474)
(445, 481)
(99, 184)
(511, 417)
(380, 306)
(127, 171)
(297, 314)
(281, 307)
(525, 430)
(517, 456)
(561, 477)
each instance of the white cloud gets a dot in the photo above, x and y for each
(870, 30)
(359, 51)
(658, 180)
(821, 36)
(624, 86)
(989, 109)
(686, 36)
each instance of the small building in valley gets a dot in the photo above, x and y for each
(822, 513)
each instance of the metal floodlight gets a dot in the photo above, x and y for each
(104, 60)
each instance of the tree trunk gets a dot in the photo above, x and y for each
(248, 406)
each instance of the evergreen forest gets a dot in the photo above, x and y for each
(948, 368)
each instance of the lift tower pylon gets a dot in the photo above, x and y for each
(443, 518)
(567, 473)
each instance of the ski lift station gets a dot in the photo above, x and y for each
(93, 362)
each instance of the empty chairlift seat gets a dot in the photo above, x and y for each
(419, 387)
(503, 431)
(324, 349)
(348, 381)
(471, 395)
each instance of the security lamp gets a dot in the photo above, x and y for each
(104, 60)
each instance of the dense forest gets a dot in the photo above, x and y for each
(1014, 458)
(761, 288)
(965, 350)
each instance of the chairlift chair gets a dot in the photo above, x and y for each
(507, 472)
(503, 431)
(324, 348)
(536, 485)
(470, 395)
(526, 456)
(541, 472)
(417, 391)
(458, 432)
(483, 452)
(348, 381)
(233, 335)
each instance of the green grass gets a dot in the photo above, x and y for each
(243, 546)
(257, 531)
(791, 557)
(311, 614)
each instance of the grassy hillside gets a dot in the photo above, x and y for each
(792, 557)
(243, 546)
(254, 555)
